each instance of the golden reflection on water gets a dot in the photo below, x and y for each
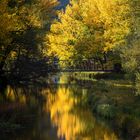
(14, 94)
(73, 121)
(67, 111)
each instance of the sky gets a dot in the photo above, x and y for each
(63, 3)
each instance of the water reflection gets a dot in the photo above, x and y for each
(22, 114)
(73, 121)
(55, 112)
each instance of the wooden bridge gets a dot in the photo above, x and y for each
(79, 65)
(55, 65)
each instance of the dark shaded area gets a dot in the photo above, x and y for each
(110, 75)
(21, 111)
(118, 68)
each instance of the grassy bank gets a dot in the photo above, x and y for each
(112, 98)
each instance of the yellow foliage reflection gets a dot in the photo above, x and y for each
(13, 94)
(73, 122)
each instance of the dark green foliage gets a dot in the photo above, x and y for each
(106, 110)
(110, 76)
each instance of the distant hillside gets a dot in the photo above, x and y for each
(63, 4)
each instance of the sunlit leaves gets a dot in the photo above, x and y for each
(8, 23)
(89, 27)
(22, 27)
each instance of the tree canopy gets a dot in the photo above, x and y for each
(22, 28)
(90, 28)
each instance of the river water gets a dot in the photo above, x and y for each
(58, 111)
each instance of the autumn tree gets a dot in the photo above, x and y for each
(22, 27)
(9, 26)
(87, 29)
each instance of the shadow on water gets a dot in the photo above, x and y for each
(59, 109)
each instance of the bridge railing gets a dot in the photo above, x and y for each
(85, 65)
(60, 65)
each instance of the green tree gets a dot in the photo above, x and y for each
(131, 52)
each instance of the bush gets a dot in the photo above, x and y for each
(106, 110)
(131, 62)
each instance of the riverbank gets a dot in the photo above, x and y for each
(112, 98)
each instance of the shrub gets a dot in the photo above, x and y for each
(106, 110)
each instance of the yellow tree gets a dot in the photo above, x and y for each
(73, 35)
(89, 28)
(22, 27)
(116, 18)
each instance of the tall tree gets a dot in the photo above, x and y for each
(88, 29)
(10, 25)
(22, 28)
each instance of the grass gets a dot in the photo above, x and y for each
(112, 98)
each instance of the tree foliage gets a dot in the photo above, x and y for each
(22, 27)
(88, 28)
(98, 29)
(131, 52)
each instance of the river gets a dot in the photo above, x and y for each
(54, 111)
